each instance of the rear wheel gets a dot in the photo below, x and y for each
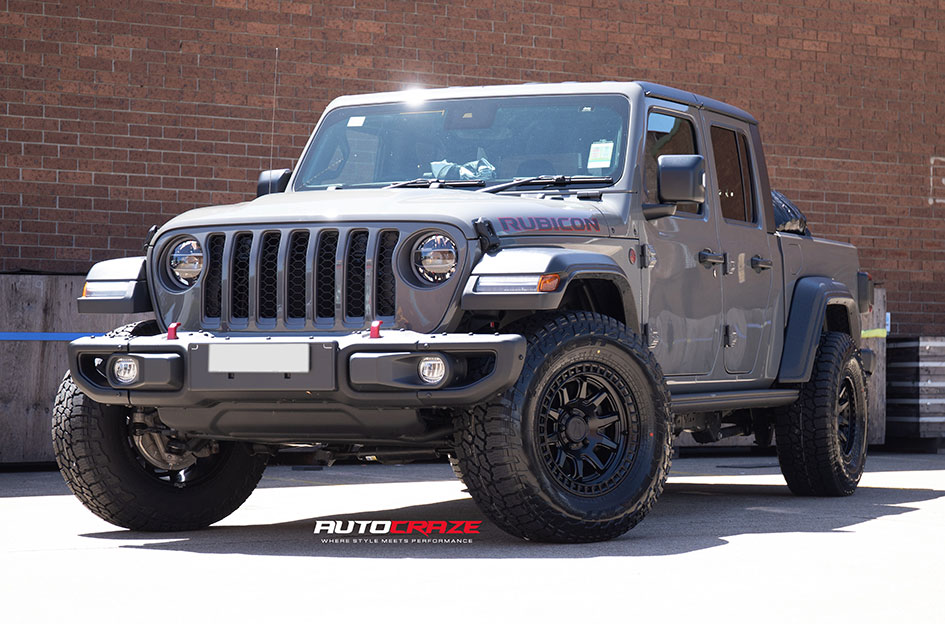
(821, 437)
(579, 448)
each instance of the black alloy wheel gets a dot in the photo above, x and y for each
(588, 422)
(847, 417)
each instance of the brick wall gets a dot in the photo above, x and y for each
(116, 115)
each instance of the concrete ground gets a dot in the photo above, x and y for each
(727, 541)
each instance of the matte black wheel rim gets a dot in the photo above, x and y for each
(588, 429)
(846, 416)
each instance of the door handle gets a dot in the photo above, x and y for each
(708, 258)
(761, 264)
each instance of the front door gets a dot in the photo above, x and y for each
(684, 303)
(750, 265)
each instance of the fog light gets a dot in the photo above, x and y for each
(125, 370)
(432, 369)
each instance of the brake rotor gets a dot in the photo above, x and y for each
(153, 445)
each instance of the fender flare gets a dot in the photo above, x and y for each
(569, 264)
(812, 296)
(124, 285)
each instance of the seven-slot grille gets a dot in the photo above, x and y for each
(324, 277)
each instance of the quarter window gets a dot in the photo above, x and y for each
(665, 135)
(733, 173)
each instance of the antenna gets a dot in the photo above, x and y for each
(272, 130)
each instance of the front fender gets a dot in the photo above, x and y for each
(812, 296)
(568, 264)
(118, 286)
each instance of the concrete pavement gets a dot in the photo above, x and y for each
(726, 542)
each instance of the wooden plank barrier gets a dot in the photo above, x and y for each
(37, 312)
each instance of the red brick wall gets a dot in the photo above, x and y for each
(116, 115)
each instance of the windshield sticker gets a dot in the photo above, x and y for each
(548, 224)
(355, 122)
(600, 155)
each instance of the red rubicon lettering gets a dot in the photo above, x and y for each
(508, 224)
(548, 224)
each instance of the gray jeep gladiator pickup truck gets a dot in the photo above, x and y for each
(545, 283)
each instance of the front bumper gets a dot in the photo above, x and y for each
(199, 369)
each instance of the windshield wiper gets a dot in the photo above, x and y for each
(548, 180)
(434, 183)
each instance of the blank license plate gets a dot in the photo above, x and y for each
(258, 358)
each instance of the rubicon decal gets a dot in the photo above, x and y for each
(397, 527)
(548, 224)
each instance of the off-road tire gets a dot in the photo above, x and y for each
(500, 451)
(454, 464)
(104, 470)
(816, 457)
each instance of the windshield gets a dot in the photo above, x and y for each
(491, 139)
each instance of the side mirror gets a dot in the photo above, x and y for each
(272, 181)
(681, 178)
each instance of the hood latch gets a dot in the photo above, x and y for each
(488, 239)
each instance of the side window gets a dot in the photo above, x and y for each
(733, 172)
(665, 134)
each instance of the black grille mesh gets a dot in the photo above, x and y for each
(240, 275)
(268, 275)
(325, 275)
(213, 284)
(386, 285)
(354, 274)
(296, 286)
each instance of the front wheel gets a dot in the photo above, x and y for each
(125, 470)
(579, 448)
(821, 437)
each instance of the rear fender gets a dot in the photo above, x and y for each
(819, 303)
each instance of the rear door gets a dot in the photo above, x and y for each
(684, 303)
(749, 267)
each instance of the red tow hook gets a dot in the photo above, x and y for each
(172, 331)
(375, 329)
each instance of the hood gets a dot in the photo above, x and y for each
(510, 215)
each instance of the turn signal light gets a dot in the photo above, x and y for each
(549, 282)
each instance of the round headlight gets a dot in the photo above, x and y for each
(434, 258)
(185, 262)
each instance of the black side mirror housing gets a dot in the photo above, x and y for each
(681, 178)
(273, 181)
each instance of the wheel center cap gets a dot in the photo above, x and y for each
(576, 429)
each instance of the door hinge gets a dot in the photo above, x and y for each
(650, 336)
(648, 257)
